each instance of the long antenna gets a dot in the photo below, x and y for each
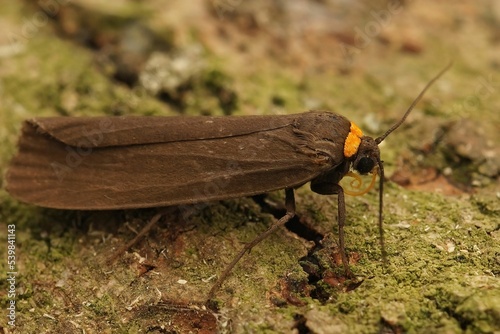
(417, 100)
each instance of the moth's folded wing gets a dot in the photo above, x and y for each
(134, 130)
(51, 173)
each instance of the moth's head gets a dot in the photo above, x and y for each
(362, 151)
(367, 157)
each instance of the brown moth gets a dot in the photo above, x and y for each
(102, 163)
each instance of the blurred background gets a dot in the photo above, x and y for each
(364, 59)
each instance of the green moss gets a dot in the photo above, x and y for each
(102, 307)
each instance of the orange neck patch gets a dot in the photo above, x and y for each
(352, 141)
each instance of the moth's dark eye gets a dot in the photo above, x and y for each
(365, 165)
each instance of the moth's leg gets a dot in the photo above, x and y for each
(290, 213)
(137, 238)
(328, 188)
